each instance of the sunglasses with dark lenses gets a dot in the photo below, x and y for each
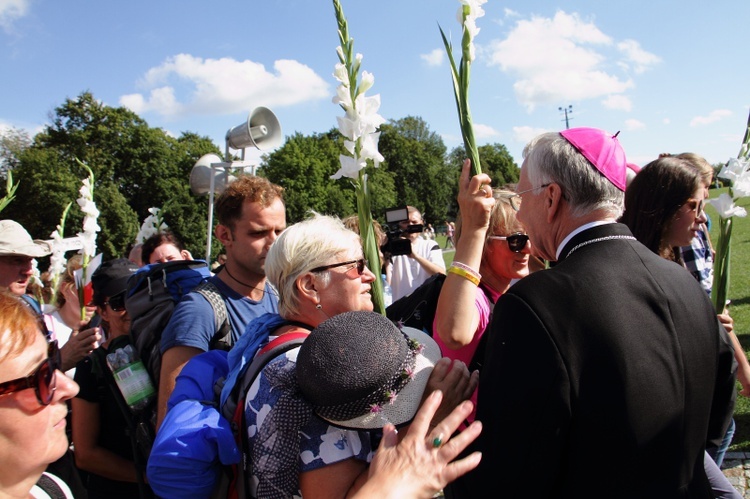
(43, 380)
(360, 266)
(116, 303)
(516, 242)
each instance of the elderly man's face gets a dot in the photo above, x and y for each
(532, 215)
(15, 271)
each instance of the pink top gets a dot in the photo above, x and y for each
(466, 353)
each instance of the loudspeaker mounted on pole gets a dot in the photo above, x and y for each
(210, 175)
(261, 130)
(200, 175)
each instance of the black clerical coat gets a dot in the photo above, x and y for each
(605, 376)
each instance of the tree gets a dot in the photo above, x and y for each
(304, 165)
(136, 167)
(13, 142)
(496, 162)
(415, 157)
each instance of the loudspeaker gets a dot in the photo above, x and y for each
(200, 176)
(262, 131)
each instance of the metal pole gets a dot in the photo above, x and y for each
(210, 214)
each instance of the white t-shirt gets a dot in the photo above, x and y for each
(59, 331)
(408, 274)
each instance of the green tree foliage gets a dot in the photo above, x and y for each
(415, 157)
(13, 142)
(496, 162)
(303, 167)
(136, 167)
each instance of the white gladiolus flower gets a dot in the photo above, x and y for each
(350, 167)
(734, 169)
(341, 74)
(726, 208)
(152, 224)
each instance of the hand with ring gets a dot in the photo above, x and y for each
(424, 461)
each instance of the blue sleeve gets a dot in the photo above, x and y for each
(192, 324)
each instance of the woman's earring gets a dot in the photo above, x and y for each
(318, 306)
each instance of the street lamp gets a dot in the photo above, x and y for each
(566, 110)
(210, 175)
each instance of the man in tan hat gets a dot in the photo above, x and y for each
(17, 250)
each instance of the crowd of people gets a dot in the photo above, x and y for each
(574, 319)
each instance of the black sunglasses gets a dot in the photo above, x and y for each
(116, 303)
(516, 242)
(360, 266)
(43, 380)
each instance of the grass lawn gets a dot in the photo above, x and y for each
(739, 309)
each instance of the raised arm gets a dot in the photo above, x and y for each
(457, 318)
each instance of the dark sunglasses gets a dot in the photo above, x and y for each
(116, 303)
(360, 266)
(516, 242)
(43, 380)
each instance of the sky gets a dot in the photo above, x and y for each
(671, 76)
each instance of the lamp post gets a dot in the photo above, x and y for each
(566, 110)
(210, 174)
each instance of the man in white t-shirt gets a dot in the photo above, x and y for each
(426, 259)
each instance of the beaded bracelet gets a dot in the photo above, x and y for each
(466, 275)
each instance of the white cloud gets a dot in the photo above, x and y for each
(524, 134)
(633, 124)
(186, 84)
(712, 117)
(485, 131)
(434, 58)
(636, 56)
(619, 102)
(10, 10)
(558, 59)
(510, 13)
(666, 121)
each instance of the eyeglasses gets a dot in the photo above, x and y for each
(696, 206)
(360, 266)
(515, 199)
(516, 242)
(116, 303)
(43, 380)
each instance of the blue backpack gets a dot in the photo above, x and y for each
(201, 447)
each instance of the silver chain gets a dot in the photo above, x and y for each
(597, 240)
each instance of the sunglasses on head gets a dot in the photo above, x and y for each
(360, 266)
(516, 242)
(43, 380)
(116, 303)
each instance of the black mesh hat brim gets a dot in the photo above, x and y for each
(406, 403)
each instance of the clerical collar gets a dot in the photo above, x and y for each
(580, 229)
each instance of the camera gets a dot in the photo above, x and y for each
(396, 231)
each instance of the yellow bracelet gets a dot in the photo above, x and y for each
(466, 275)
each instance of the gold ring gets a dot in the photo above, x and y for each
(437, 441)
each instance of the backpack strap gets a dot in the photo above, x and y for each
(222, 339)
(234, 408)
(101, 371)
(273, 349)
(53, 486)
